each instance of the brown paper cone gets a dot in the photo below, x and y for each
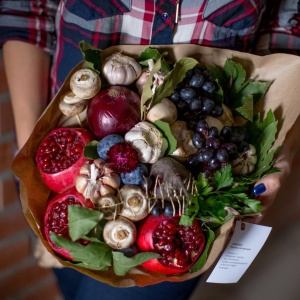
(282, 97)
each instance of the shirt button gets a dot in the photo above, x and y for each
(165, 16)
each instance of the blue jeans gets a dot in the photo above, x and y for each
(77, 286)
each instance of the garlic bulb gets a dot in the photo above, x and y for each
(148, 142)
(245, 163)
(158, 78)
(119, 69)
(96, 180)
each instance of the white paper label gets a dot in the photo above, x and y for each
(246, 242)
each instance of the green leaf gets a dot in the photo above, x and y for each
(164, 127)
(236, 76)
(123, 264)
(82, 220)
(186, 220)
(247, 109)
(255, 88)
(95, 255)
(154, 54)
(90, 150)
(199, 264)
(223, 177)
(91, 56)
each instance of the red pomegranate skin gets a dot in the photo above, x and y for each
(68, 153)
(56, 217)
(145, 242)
(115, 109)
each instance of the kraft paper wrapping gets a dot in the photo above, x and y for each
(282, 97)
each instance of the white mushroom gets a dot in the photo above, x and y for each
(71, 105)
(165, 111)
(109, 205)
(85, 83)
(119, 233)
(135, 202)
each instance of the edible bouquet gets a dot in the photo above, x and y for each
(138, 168)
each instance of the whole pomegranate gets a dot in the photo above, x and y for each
(56, 217)
(115, 109)
(179, 246)
(60, 156)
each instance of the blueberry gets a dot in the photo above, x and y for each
(198, 140)
(169, 210)
(136, 176)
(157, 210)
(105, 144)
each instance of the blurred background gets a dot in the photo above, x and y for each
(274, 274)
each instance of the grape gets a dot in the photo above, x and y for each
(217, 111)
(187, 94)
(198, 141)
(208, 87)
(202, 127)
(208, 106)
(222, 155)
(213, 132)
(206, 154)
(226, 132)
(213, 142)
(214, 164)
(175, 97)
(196, 104)
(196, 81)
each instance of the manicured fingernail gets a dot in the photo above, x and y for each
(259, 189)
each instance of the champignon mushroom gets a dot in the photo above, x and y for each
(109, 205)
(119, 233)
(135, 202)
(85, 83)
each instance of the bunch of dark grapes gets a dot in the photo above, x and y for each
(193, 96)
(216, 149)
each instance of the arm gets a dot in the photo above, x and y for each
(27, 70)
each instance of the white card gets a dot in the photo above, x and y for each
(246, 242)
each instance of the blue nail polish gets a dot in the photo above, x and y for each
(259, 189)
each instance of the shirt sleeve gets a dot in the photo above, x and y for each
(31, 21)
(280, 31)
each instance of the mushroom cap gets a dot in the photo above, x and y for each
(85, 83)
(135, 202)
(119, 233)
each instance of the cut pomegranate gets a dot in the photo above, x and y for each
(115, 109)
(61, 155)
(179, 246)
(56, 217)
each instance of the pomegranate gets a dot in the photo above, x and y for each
(115, 109)
(179, 246)
(56, 217)
(61, 155)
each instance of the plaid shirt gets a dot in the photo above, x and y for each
(58, 26)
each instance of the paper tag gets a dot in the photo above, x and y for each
(246, 242)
